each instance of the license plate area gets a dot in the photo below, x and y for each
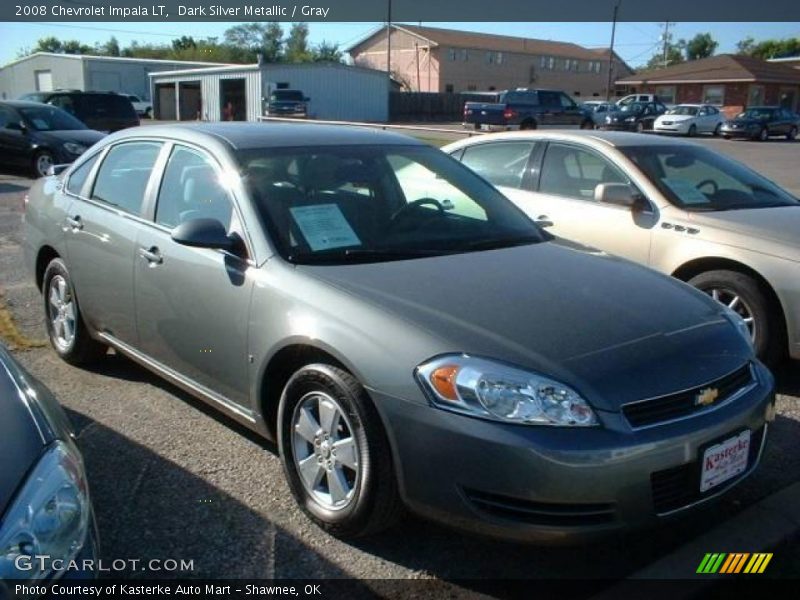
(724, 460)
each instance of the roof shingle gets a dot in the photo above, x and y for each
(723, 67)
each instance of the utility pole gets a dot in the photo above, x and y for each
(666, 41)
(416, 53)
(389, 41)
(611, 50)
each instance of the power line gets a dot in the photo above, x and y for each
(106, 29)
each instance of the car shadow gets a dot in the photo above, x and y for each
(787, 377)
(149, 508)
(9, 188)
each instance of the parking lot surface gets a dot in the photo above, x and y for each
(172, 478)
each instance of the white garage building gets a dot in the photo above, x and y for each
(47, 71)
(336, 91)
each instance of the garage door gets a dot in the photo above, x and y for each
(44, 81)
(105, 81)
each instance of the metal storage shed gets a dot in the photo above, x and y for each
(336, 91)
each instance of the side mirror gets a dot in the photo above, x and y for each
(203, 233)
(20, 126)
(618, 194)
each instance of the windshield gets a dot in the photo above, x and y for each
(683, 110)
(335, 205)
(757, 114)
(286, 95)
(697, 179)
(50, 118)
(634, 107)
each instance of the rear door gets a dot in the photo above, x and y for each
(193, 304)
(15, 148)
(102, 226)
(571, 113)
(550, 108)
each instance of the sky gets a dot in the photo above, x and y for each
(635, 42)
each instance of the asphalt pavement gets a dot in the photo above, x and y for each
(172, 478)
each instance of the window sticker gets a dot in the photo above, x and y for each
(324, 227)
(685, 191)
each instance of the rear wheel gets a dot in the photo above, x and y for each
(745, 296)
(148, 113)
(639, 127)
(717, 130)
(763, 135)
(335, 453)
(692, 131)
(792, 134)
(529, 124)
(65, 327)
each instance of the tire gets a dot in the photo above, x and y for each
(639, 127)
(792, 135)
(42, 161)
(763, 135)
(587, 125)
(148, 114)
(717, 129)
(527, 125)
(692, 131)
(766, 317)
(70, 339)
(372, 502)
(727, 137)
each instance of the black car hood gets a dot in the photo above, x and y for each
(87, 137)
(615, 330)
(21, 442)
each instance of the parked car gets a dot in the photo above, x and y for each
(678, 207)
(288, 103)
(761, 123)
(598, 111)
(36, 136)
(143, 108)
(636, 116)
(103, 111)
(405, 333)
(525, 108)
(46, 516)
(640, 98)
(691, 120)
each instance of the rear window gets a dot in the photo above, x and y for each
(103, 106)
(287, 95)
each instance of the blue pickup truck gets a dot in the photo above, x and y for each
(525, 108)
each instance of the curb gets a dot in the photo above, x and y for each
(758, 528)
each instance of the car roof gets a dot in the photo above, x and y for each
(244, 135)
(617, 139)
(22, 103)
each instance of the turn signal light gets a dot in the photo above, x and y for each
(443, 381)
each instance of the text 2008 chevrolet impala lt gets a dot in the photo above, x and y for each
(402, 330)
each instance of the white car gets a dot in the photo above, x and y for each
(676, 206)
(142, 107)
(690, 119)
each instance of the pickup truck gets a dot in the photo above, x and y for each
(526, 109)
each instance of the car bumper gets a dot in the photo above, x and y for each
(739, 132)
(674, 129)
(87, 556)
(618, 127)
(562, 485)
(490, 127)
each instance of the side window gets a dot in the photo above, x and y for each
(566, 101)
(503, 164)
(5, 117)
(191, 189)
(573, 172)
(418, 182)
(123, 176)
(63, 102)
(550, 99)
(78, 177)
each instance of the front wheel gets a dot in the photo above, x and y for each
(639, 127)
(792, 134)
(692, 131)
(763, 135)
(42, 161)
(745, 296)
(717, 130)
(65, 327)
(335, 453)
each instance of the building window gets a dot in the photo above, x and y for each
(499, 58)
(543, 62)
(755, 95)
(489, 58)
(448, 88)
(551, 62)
(714, 94)
(451, 54)
(464, 54)
(666, 93)
(598, 67)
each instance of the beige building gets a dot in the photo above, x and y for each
(428, 59)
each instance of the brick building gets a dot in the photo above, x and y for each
(728, 81)
(429, 59)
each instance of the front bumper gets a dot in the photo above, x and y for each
(744, 132)
(552, 485)
(674, 128)
(618, 126)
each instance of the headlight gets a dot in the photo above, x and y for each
(491, 390)
(73, 148)
(738, 322)
(50, 516)
(630, 119)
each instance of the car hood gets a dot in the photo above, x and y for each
(677, 118)
(779, 224)
(21, 442)
(87, 137)
(615, 330)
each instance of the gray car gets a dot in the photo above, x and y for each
(407, 335)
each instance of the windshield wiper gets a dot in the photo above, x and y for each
(506, 242)
(363, 254)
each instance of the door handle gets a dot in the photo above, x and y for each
(151, 255)
(75, 222)
(543, 221)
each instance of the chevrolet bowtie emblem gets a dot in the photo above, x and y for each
(706, 397)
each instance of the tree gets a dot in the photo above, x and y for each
(297, 49)
(769, 48)
(327, 52)
(700, 46)
(746, 46)
(183, 43)
(48, 44)
(272, 42)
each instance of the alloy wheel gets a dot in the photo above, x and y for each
(43, 163)
(62, 313)
(326, 450)
(737, 304)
